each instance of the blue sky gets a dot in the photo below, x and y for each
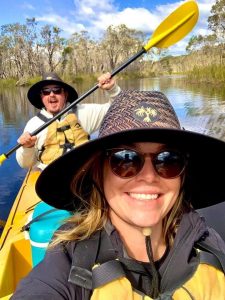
(96, 15)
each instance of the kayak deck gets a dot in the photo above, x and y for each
(15, 249)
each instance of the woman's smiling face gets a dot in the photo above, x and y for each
(143, 200)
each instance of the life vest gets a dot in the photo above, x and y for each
(61, 137)
(102, 275)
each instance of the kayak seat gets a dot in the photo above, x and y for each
(45, 221)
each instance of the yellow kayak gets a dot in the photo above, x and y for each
(15, 248)
(26, 235)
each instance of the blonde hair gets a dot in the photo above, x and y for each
(87, 186)
(93, 213)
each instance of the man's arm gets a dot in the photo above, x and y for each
(26, 155)
(108, 84)
(91, 115)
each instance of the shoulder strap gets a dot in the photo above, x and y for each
(211, 255)
(42, 117)
(97, 249)
(84, 257)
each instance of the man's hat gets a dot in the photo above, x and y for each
(141, 116)
(49, 78)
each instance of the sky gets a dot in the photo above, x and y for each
(95, 16)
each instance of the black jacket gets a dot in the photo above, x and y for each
(49, 279)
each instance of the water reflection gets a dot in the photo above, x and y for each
(199, 107)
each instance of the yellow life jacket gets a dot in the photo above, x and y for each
(107, 280)
(61, 137)
(207, 282)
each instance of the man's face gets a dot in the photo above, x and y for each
(54, 98)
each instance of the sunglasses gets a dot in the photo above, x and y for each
(127, 163)
(56, 90)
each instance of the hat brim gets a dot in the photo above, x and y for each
(205, 168)
(34, 92)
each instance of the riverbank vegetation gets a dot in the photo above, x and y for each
(205, 59)
(28, 50)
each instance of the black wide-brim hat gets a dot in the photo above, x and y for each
(47, 79)
(137, 116)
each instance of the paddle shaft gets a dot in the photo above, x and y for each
(94, 88)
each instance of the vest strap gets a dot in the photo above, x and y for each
(42, 117)
(81, 277)
(87, 253)
(66, 146)
(63, 128)
(209, 258)
(219, 257)
(106, 272)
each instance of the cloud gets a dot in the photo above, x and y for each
(95, 16)
(27, 6)
(134, 18)
(63, 23)
(86, 8)
(200, 28)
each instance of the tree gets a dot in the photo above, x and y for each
(18, 47)
(83, 52)
(216, 21)
(16, 40)
(52, 45)
(119, 43)
(200, 42)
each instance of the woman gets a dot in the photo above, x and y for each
(135, 232)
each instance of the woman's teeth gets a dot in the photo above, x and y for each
(143, 196)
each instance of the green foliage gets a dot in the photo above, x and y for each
(201, 42)
(67, 50)
(120, 42)
(213, 73)
(33, 80)
(80, 78)
(26, 50)
(6, 83)
(76, 79)
(216, 21)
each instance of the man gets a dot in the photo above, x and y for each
(52, 95)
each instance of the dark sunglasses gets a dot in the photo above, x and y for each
(56, 90)
(127, 163)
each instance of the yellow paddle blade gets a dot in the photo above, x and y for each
(2, 158)
(176, 26)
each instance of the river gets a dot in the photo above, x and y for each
(200, 108)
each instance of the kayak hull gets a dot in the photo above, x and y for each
(15, 249)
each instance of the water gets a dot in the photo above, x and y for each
(200, 108)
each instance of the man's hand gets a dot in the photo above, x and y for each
(26, 140)
(105, 81)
